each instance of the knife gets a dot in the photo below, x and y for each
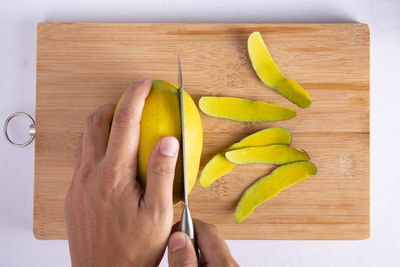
(186, 225)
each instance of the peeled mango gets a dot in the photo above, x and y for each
(271, 185)
(161, 117)
(219, 165)
(272, 154)
(270, 74)
(240, 109)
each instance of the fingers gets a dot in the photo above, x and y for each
(214, 251)
(96, 133)
(160, 174)
(125, 129)
(212, 246)
(181, 251)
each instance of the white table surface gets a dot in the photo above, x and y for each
(18, 19)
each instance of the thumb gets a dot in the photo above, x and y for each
(160, 174)
(181, 251)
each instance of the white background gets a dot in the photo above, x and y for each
(18, 21)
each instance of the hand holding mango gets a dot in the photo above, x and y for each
(110, 218)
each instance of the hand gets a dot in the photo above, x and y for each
(110, 221)
(214, 251)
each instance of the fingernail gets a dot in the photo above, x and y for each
(168, 146)
(177, 241)
(142, 79)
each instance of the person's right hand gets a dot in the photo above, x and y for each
(214, 251)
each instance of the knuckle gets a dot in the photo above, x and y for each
(108, 172)
(102, 191)
(160, 214)
(108, 177)
(160, 168)
(124, 118)
(95, 119)
(108, 183)
(84, 173)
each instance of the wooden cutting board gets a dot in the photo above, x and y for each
(83, 66)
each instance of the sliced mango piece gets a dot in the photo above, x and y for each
(290, 89)
(275, 135)
(271, 185)
(270, 74)
(273, 154)
(262, 61)
(219, 165)
(240, 109)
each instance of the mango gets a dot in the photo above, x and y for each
(270, 74)
(271, 185)
(272, 154)
(240, 109)
(219, 165)
(161, 117)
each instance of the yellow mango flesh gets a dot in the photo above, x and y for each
(290, 89)
(273, 154)
(265, 67)
(240, 109)
(270, 74)
(271, 185)
(161, 117)
(219, 165)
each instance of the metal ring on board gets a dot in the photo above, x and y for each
(31, 129)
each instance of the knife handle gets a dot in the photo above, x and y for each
(196, 249)
(188, 228)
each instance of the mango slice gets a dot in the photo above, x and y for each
(273, 154)
(271, 185)
(270, 74)
(240, 109)
(161, 117)
(219, 165)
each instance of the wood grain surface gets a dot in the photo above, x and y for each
(83, 66)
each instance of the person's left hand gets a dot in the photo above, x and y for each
(110, 221)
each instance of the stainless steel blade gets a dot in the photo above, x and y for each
(186, 219)
(183, 148)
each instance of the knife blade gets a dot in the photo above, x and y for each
(186, 225)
